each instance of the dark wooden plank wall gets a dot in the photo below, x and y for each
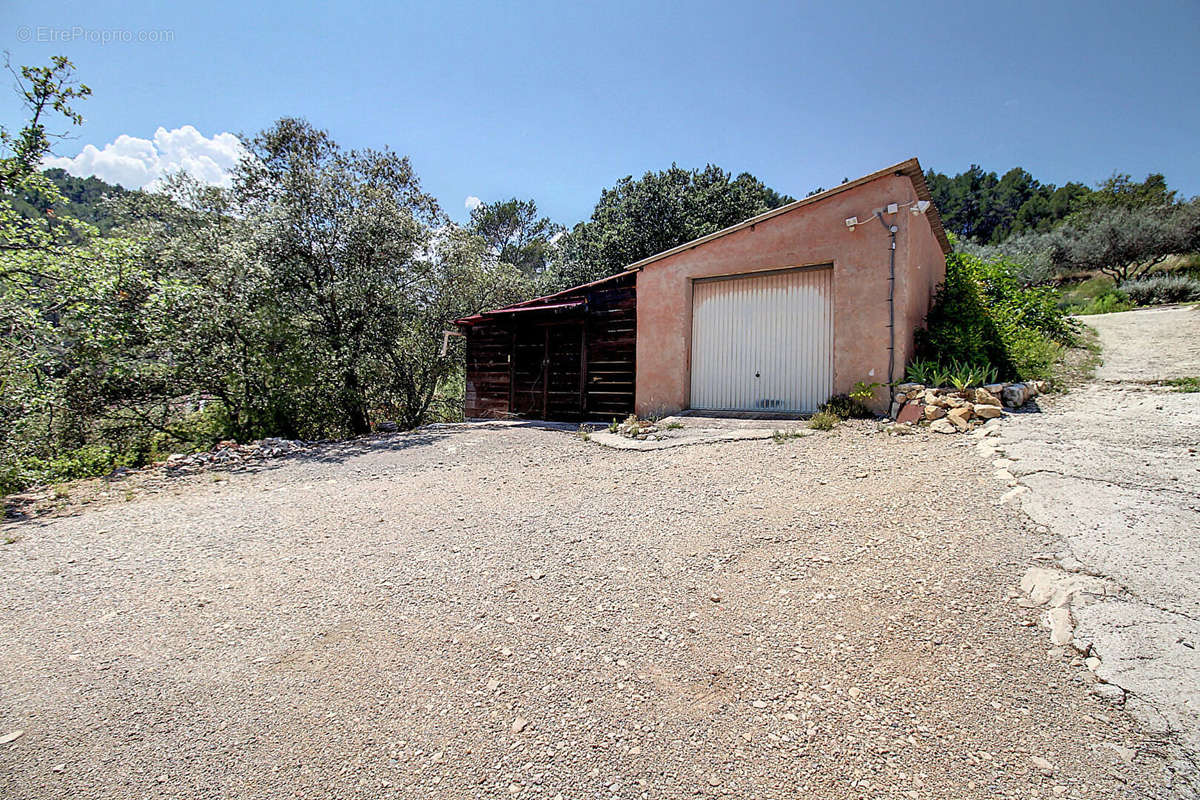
(612, 352)
(489, 346)
(504, 359)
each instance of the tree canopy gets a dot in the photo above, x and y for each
(638, 218)
(988, 209)
(307, 300)
(1126, 241)
(83, 199)
(515, 233)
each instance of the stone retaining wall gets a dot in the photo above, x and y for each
(950, 410)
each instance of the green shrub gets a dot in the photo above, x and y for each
(1034, 357)
(953, 373)
(1108, 303)
(985, 325)
(854, 404)
(843, 406)
(823, 421)
(199, 430)
(88, 461)
(1159, 289)
(926, 372)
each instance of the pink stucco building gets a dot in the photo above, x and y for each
(772, 315)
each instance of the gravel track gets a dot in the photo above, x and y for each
(513, 612)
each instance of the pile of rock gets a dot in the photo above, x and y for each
(948, 410)
(231, 455)
(634, 428)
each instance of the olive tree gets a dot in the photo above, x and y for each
(1124, 241)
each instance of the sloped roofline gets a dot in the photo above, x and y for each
(910, 169)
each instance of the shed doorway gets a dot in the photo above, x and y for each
(547, 368)
(763, 342)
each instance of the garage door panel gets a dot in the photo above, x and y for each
(763, 343)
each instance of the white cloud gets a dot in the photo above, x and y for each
(472, 202)
(136, 163)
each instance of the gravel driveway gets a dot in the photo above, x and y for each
(1150, 344)
(514, 612)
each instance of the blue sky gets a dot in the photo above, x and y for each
(556, 101)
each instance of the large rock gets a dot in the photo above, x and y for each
(933, 412)
(942, 426)
(988, 411)
(1017, 394)
(1058, 620)
(960, 417)
(965, 411)
(985, 398)
(910, 412)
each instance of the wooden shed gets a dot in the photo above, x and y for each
(566, 356)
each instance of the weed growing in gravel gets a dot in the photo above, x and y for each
(1077, 364)
(1190, 384)
(824, 421)
(779, 437)
(672, 426)
(10, 538)
(585, 432)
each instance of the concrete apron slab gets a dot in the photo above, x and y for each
(695, 428)
(679, 438)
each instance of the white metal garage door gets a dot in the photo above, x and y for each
(763, 343)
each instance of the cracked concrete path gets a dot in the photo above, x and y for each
(1114, 469)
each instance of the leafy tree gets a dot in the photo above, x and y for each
(27, 198)
(1121, 190)
(215, 312)
(343, 240)
(42, 90)
(458, 279)
(1125, 241)
(306, 300)
(1047, 208)
(639, 218)
(36, 276)
(515, 234)
(985, 208)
